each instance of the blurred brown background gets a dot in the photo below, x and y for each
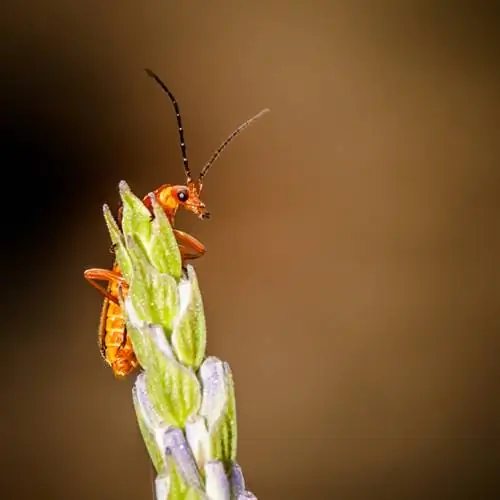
(352, 273)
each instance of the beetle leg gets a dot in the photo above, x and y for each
(94, 275)
(189, 246)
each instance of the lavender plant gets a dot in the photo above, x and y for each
(184, 401)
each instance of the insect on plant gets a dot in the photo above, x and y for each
(114, 343)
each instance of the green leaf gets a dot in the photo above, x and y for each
(194, 494)
(224, 432)
(150, 443)
(139, 343)
(136, 218)
(173, 389)
(189, 327)
(219, 409)
(153, 295)
(147, 423)
(163, 250)
(179, 489)
(121, 253)
(178, 486)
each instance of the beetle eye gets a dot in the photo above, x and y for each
(182, 195)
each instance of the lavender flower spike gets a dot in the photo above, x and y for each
(184, 402)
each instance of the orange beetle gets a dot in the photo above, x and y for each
(114, 343)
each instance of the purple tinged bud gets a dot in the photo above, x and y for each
(246, 495)
(214, 390)
(162, 486)
(216, 483)
(148, 413)
(237, 481)
(199, 440)
(176, 446)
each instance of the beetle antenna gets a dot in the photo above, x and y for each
(157, 79)
(214, 157)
